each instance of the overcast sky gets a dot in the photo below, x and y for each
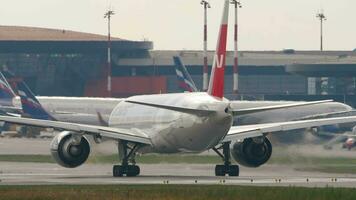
(177, 24)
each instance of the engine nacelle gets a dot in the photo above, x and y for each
(252, 152)
(70, 149)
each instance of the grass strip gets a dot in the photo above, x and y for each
(173, 192)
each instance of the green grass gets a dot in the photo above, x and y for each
(174, 192)
(330, 169)
(27, 158)
(319, 164)
(313, 160)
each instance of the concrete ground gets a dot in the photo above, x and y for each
(13, 173)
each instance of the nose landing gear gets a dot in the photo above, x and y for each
(227, 168)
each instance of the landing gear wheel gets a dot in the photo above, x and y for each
(133, 170)
(226, 168)
(234, 170)
(129, 171)
(220, 170)
(117, 171)
(125, 168)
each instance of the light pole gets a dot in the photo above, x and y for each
(237, 5)
(206, 5)
(322, 18)
(108, 15)
(323, 80)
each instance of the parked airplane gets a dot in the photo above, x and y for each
(33, 108)
(6, 105)
(185, 81)
(172, 123)
(6, 93)
(6, 97)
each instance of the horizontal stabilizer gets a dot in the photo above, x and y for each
(191, 111)
(267, 108)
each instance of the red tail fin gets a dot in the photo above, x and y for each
(216, 85)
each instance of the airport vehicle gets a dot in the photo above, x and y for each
(173, 123)
(347, 140)
(350, 143)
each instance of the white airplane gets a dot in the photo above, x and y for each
(173, 123)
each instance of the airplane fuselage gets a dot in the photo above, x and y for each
(172, 131)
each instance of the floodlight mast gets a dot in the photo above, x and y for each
(206, 5)
(108, 15)
(237, 5)
(322, 18)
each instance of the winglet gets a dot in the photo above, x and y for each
(216, 85)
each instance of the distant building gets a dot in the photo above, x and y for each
(61, 62)
(262, 73)
(67, 63)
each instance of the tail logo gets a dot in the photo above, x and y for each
(218, 63)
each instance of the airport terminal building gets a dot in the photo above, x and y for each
(67, 63)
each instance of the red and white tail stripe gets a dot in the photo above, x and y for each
(216, 85)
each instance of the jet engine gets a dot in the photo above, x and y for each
(252, 152)
(70, 149)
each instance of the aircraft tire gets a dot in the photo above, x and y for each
(234, 170)
(133, 170)
(220, 170)
(118, 171)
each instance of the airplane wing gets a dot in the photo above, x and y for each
(11, 109)
(331, 114)
(132, 135)
(250, 131)
(245, 111)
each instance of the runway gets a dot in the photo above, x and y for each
(270, 175)
(24, 173)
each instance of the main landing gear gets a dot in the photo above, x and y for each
(128, 154)
(227, 168)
